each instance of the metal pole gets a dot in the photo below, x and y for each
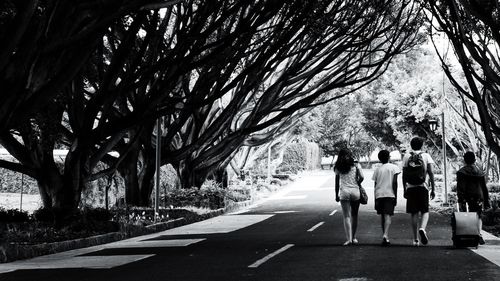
(445, 176)
(269, 163)
(22, 184)
(157, 164)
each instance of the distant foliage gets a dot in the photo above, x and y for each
(11, 181)
(300, 156)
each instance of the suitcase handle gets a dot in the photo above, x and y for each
(466, 207)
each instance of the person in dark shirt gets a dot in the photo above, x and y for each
(471, 189)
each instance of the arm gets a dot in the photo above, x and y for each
(395, 185)
(486, 196)
(460, 188)
(405, 183)
(337, 187)
(361, 177)
(431, 179)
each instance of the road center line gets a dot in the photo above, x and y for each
(271, 255)
(333, 212)
(316, 226)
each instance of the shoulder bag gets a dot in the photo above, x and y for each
(363, 196)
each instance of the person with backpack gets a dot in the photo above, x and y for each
(348, 176)
(472, 190)
(385, 178)
(417, 168)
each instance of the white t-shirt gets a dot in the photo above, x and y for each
(426, 157)
(383, 177)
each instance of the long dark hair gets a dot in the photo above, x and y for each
(344, 162)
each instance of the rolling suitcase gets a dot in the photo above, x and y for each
(465, 231)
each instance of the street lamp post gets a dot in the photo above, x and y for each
(433, 127)
(157, 169)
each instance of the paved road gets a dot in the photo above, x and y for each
(295, 235)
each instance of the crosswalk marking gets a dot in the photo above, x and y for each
(75, 258)
(333, 212)
(94, 262)
(220, 224)
(154, 243)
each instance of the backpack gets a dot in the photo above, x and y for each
(415, 171)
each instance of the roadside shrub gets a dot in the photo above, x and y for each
(210, 195)
(495, 200)
(97, 214)
(43, 215)
(491, 217)
(493, 187)
(13, 215)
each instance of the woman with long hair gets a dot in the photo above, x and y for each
(348, 176)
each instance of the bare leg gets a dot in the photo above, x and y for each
(424, 220)
(382, 222)
(387, 224)
(354, 217)
(414, 225)
(346, 211)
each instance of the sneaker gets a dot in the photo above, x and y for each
(423, 236)
(385, 242)
(481, 240)
(347, 243)
(355, 241)
(416, 243)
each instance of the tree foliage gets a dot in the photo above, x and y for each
(223, 74)
(472, 28)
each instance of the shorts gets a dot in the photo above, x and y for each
(475, 205)
(349, 194)
(417, 200)
(385, 205)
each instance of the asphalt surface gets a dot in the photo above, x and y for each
(295, 235)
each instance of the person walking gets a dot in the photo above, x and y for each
(385, 178)
(348, 176)
(472, 190)
(417, 175)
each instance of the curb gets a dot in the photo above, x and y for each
(15, 251)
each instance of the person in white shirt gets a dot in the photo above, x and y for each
(417, 174)
(386, 185)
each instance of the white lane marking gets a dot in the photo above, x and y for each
(220, 224)
(333, 212)
(316, 226)
(290, 197)
(270, 256)
(154, 243)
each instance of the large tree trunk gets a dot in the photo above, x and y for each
(138, 182)
(188, 175)
(129, 172)
(60, 192)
